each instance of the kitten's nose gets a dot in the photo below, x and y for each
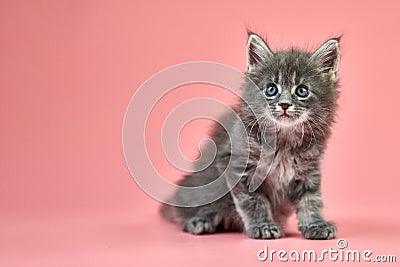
(285, 106)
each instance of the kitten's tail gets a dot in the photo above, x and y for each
(169, 213)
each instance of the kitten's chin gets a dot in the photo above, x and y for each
(285, 120)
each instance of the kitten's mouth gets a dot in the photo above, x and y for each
(288, 119)
(285, 115)
(285, 119)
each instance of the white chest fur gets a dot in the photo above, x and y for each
(283, 167)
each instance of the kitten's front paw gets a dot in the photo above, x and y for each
(198, 226)
(268, 230)
(320, 230)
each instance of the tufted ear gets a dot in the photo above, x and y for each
(257, 51)
(327, 57)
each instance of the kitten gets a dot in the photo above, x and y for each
(300, 90)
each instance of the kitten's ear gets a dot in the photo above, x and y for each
(257, 51)
(327, 57)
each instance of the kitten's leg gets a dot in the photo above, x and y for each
(255, 211)
(309, 214)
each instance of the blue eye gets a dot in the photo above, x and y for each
(270, 90)
(302, 91)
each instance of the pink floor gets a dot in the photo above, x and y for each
(132, 238)
(68, 70)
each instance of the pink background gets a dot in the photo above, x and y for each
(67, 72)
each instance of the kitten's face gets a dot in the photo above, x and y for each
(298, 87)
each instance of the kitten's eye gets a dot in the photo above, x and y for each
(271, 90)
(302, 91)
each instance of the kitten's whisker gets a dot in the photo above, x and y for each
(312, 133)
(302, 133)
(317, 121)
(316, 125)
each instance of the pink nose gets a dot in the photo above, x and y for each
(284, 106)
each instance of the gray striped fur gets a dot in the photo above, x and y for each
(293, 183)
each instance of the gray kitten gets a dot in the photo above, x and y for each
(300, 90)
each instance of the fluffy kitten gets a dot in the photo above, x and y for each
(300, 90)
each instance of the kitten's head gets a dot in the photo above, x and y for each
(298, 86)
